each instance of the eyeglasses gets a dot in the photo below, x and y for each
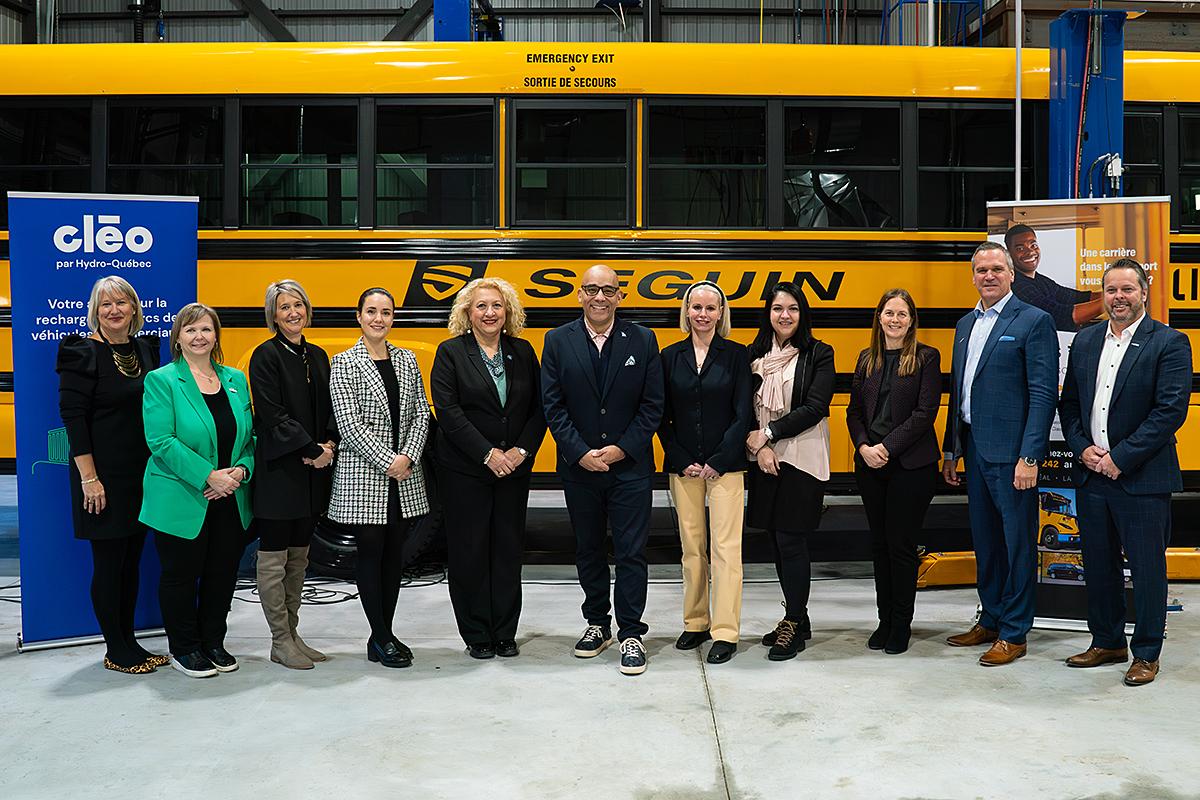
(591, 290)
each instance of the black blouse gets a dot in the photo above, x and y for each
(391, 383)
(222, 415)
(881, 425)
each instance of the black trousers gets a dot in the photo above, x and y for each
(485, 537)
(626, 505)
(379, 567)
(895, 500)
(280, 534)
(198, 578)
(115, 574)
(1111, 520)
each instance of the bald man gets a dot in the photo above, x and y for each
(602, 387)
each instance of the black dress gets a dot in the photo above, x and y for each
(102, 412)
(292, 414)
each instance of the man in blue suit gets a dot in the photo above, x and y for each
(602, 387)
(1124, 396)
(1002, 398)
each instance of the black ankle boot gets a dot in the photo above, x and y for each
(880, 637)
(897, 640)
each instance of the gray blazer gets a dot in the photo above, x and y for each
(360, 406)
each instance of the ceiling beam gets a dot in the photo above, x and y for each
(414, 15)
(258, 10)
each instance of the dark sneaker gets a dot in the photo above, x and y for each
(633, 657)
(194, 665)
(593, 642)
(481, 651)
(221, 659)
(788, 641)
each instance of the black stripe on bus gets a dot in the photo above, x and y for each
(625, 249)
(1185, 253)
(343, 317)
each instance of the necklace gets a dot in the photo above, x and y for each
(495, 364)
(303, 356)
(127, 363)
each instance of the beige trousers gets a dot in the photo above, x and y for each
(726, 511)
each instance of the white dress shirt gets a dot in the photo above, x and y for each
(1111, 356)
(980, 331)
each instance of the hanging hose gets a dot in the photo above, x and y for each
(1083, 93)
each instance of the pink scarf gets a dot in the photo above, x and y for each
(771, 403)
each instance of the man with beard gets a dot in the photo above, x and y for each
(1069, 308)
(1125, 395)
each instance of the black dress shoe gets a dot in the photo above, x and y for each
(721, 652)
(690, 640)
(389, 655)
(507, 648)
(481, 651)
(221, 659)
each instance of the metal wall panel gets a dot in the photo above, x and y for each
(10, 27)
(726, 29)
(347, 29)
(571, 29)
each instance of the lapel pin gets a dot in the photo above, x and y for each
(629, 362)
(231, 390)
(622, 334)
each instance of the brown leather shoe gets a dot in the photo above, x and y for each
(1141, 672)
(1001, 653)
(977, 635)
(1098, 656)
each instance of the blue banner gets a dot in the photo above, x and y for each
(59, 245)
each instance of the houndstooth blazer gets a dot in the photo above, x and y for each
(360, 405)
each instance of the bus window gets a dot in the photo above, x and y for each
(966, 157)
(1189, 159)
(168, 150)
(842, 167)
(707, 166)
(299, 165)
(43, 149)
(571, 164)
(434, 165)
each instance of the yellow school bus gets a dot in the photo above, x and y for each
(417, 166)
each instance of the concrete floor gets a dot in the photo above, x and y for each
(837, 722)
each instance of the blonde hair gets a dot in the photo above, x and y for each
(285, 286)
(186, 316)
(723, 326)
(114, 285)
(460, 312)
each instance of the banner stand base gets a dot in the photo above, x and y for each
(49, 644)
(1076, 625)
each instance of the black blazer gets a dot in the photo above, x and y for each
(914, 400)
(812, 391)
(707, 414)
(624, 409)
(471, 420)
(1149, 404)
(290, 418)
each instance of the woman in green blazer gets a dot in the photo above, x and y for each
(200, 431)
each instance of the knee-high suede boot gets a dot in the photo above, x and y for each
(272, 595)
(297, 565)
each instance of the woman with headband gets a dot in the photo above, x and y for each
(705, 422)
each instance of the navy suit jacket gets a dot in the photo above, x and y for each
(1149, 404)
(625, 409)
(1015, 388)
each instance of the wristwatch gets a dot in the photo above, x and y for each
(767, 432)
(524, 453)
(1030, 462)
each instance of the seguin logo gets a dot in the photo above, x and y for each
(436, 282)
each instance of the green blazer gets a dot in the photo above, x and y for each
(183, 447)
